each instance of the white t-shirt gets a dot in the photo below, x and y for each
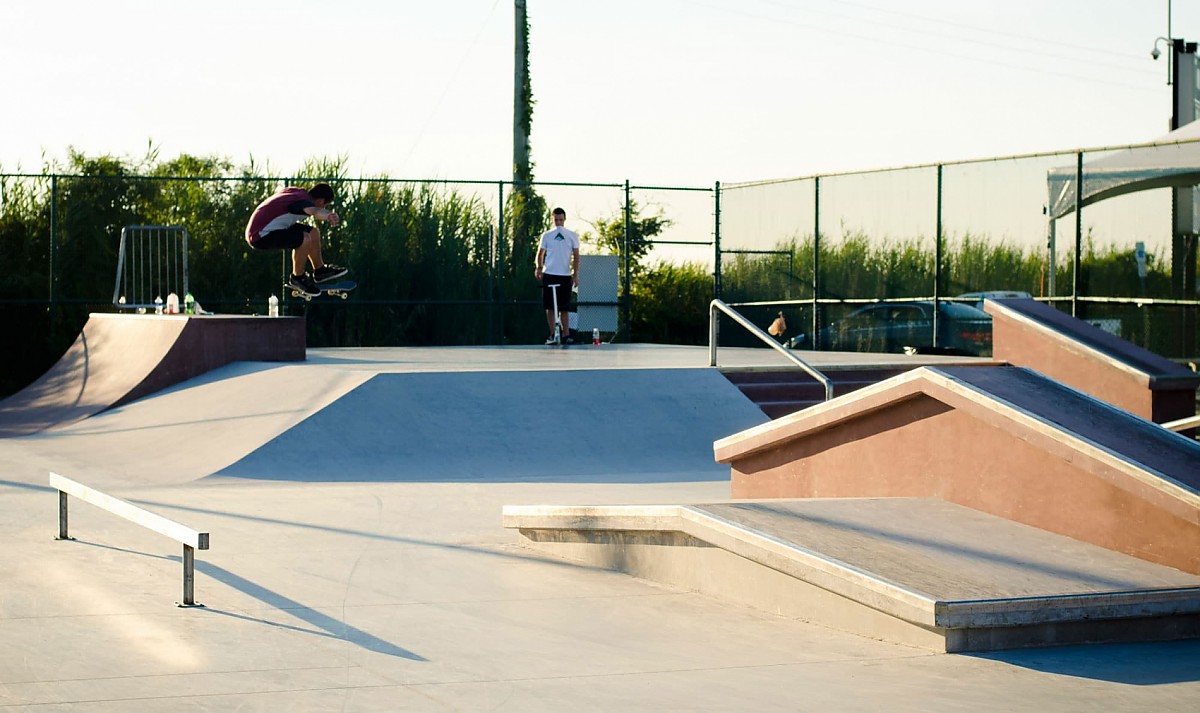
(558, 243)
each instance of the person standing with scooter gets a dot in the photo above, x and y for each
(558, 269)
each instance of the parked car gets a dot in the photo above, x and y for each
(907, 327)
(979, 297)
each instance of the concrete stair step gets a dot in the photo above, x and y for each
(781, 392)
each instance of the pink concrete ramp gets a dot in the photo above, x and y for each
(1038, 336)
(1002, 440)
(119, 358)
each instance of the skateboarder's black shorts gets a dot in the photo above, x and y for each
(289, 238)
(561, 283)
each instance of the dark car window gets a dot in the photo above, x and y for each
(865, 318)
(901, 314)
(956, 310)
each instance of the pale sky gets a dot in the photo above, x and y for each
(662, 92)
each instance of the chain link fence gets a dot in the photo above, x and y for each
(819, 248)
(445, 262)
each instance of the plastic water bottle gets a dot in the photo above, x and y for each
(189, 304)
(172, 303)
(158, 306)
(595, 336)
(273, 306)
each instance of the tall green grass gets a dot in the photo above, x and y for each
(431, 266)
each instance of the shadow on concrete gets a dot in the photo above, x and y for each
(99, 427)
(526, 555)
(27, 486)
(328, 626)
(1141, 664)
(324, 625)
(633, 425)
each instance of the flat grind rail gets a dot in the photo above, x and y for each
(714, 334)
(191, 539)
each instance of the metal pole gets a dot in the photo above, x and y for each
(628, 270)
(1053, 248)
(62, 516)
(937, 259)
(1183, 235)
(491, 290)
(53, 248)
(816, 264)
(500, 261)
(189, 576)
(1075, 278)
(717, 240)
(714, 333)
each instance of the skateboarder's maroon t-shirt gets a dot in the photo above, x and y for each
(282, 210)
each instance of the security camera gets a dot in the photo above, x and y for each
(1154, 53)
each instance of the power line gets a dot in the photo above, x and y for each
(462, 60)
(1041, 70)
(975, 28)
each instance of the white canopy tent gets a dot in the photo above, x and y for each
(1171, 161)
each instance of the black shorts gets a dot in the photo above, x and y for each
(289, 238)
(562, 285)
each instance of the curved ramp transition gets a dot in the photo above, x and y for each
(119, 358)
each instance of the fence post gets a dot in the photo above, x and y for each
(628, 270)
(53, 248)
(816, 263)
(498, 260)
(717, 241)
(1075, 277)
(937, 260)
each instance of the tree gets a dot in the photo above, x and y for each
(610, 236)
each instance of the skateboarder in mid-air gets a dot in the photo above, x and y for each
(275, 225)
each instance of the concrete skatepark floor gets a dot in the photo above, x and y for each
(403, 592)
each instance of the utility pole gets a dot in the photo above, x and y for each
(521, 118)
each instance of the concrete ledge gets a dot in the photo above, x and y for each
(811, 560)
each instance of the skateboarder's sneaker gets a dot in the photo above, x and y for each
(551, 340)
(328, 272)
(569, 340)
(305, 284)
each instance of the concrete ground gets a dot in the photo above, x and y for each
(403, 591)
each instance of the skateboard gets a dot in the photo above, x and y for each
(340, 289)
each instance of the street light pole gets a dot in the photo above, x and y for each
(1183, 212)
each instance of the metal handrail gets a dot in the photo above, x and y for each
(754, 329)
(1183, 424)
